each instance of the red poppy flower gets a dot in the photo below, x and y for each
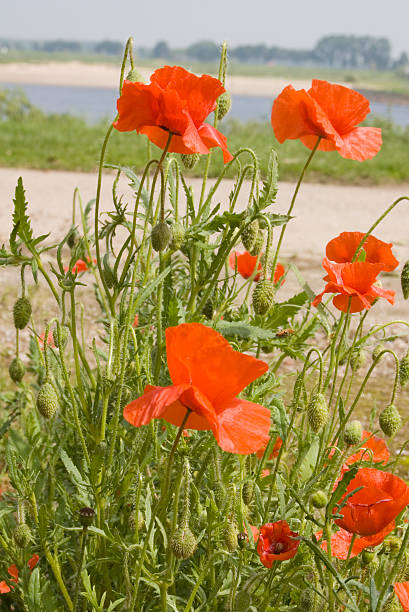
(276, 543)
(136, 321)
(372, 449)
(402, 592)
(13, 571)
(4, 587)
(341, 542)
(175, 102)
(342, 249)
(382, 497)
(355, 284)
(331, 112)
(276, 448)
(80, 266)
(207, 376)
(32, 562)
(246, 264)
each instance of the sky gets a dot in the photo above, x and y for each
(284, 23)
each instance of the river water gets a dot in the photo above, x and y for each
(95, 103)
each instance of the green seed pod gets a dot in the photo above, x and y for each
(178, 236)
(64, 333)
(47, 400)
(404, 279)
(224, 105)
(404, 371)
(183, 543)
(390, 420)
(189, 160)
(377, 351)
(307, 601)
(247, 491)
(317, 412)
(17, 370)
(86, 516)
(161, 236)
(258, 244)
(319, 499)
(353, 433)
(263, 296)
(230, 538)
(22, 535)
(21, 312)
(208, 309)
(249, 235)
(357, 359)
(134, 76)
(368, 555)
(73, 238)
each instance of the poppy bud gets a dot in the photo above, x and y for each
(404, 371)
(307, 600)
(108, 274)
(219, 491)
(258, 244)
(357, 359)
(183, 543)
(242, 539)
(247, 491)
(390, 420)
(391, 545)
(22, 535)
(178, 236)
(377, 351)
(47, 400)
(224, 105)
(160, 236)
(64, 333)
(263, 296)
(134, 76)
(353, 433)
(86, 516)
(230, 536)
(21, 312)
(319, 499)
(208, 309)
(17, 370)
(132, 520)
(317, 412)
(404, 279)
(368, 555)
(73, 237)
(249, 235)
(189, 160)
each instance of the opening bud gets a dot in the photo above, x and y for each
(86, 516)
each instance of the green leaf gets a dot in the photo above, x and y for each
(285, 311)
(243, 330)
(75, 477)
(135, 181)
(307, 460)
(341, 489)
(279, 415)
(34, 599)
(143, 295)
(21, 222)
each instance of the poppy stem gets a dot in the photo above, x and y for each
(172, 455)
(395, 567)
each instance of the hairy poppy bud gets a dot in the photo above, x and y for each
(258, 244)
(183, 543)
(189, 160)
(208, 309)
(368, 555)
(404, 279)
(249, 235)
(390, 420)
(247, 491)
(377, 351)
(219, 491)
(357, 359)
(224, 105)
(47, 400)
(22, 535)
(134, 76)
(317, 412)
(17, 370)
(230, 538)
(64, 333)
(73, 237)
(263, 296)
(86, 516)
(404, 371)
(178, 236)
(21, 312)
(353, 433)
(160, 236)
(307, 600)
(319, 499)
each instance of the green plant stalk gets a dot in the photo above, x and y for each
(80, 564)
(75, 345)
(393, 571)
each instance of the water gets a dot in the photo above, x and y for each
(94, 103)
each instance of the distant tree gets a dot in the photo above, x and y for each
(353, 51)
(250, 53)
(110, 47)
(402, 62)
(203, 51)
(161, 50)
(58, 46)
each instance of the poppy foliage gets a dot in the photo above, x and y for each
(207, 375)
(331, 112)
(246, 264)
(175, 102)
(276, 543)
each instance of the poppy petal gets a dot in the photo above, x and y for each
(361, 143)
(342, 249)
(242, 427)
(213, 138)
(160, 137)
(4, 587)
(137, 106)
(351, 303)
(341, 542)
(152, 404)
(402, 592)
(344, 106)
(246, 264)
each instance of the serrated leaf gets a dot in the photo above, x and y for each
(149, 289)
(341, 489)
(243, 330)
(21, 222)
(285, 311)
(307, 460)
(75, 477)
(135, 181)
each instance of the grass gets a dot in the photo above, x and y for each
(63, 142)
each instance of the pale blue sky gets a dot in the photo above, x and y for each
(287, 23)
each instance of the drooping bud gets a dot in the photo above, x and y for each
(317, 412)
(319, 499)
(17, 370)
(353, 433)
(73, 238)
(258, 244)
(390, 420)
(230, 534)
(64, 333)
(108, 273)
(249, 235)
(21, 312)
(47, 400)
(263, 296)
(404, 279)
(178, 236)
(404, 371)
(22, 535)
(377, 351)
(307, 600)
(247, 491)
(134, 76)
(189, 160)
(86, 516)
(183, 543)
(368, 555)
(161, 236)
(357, 359)
(224, 105)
